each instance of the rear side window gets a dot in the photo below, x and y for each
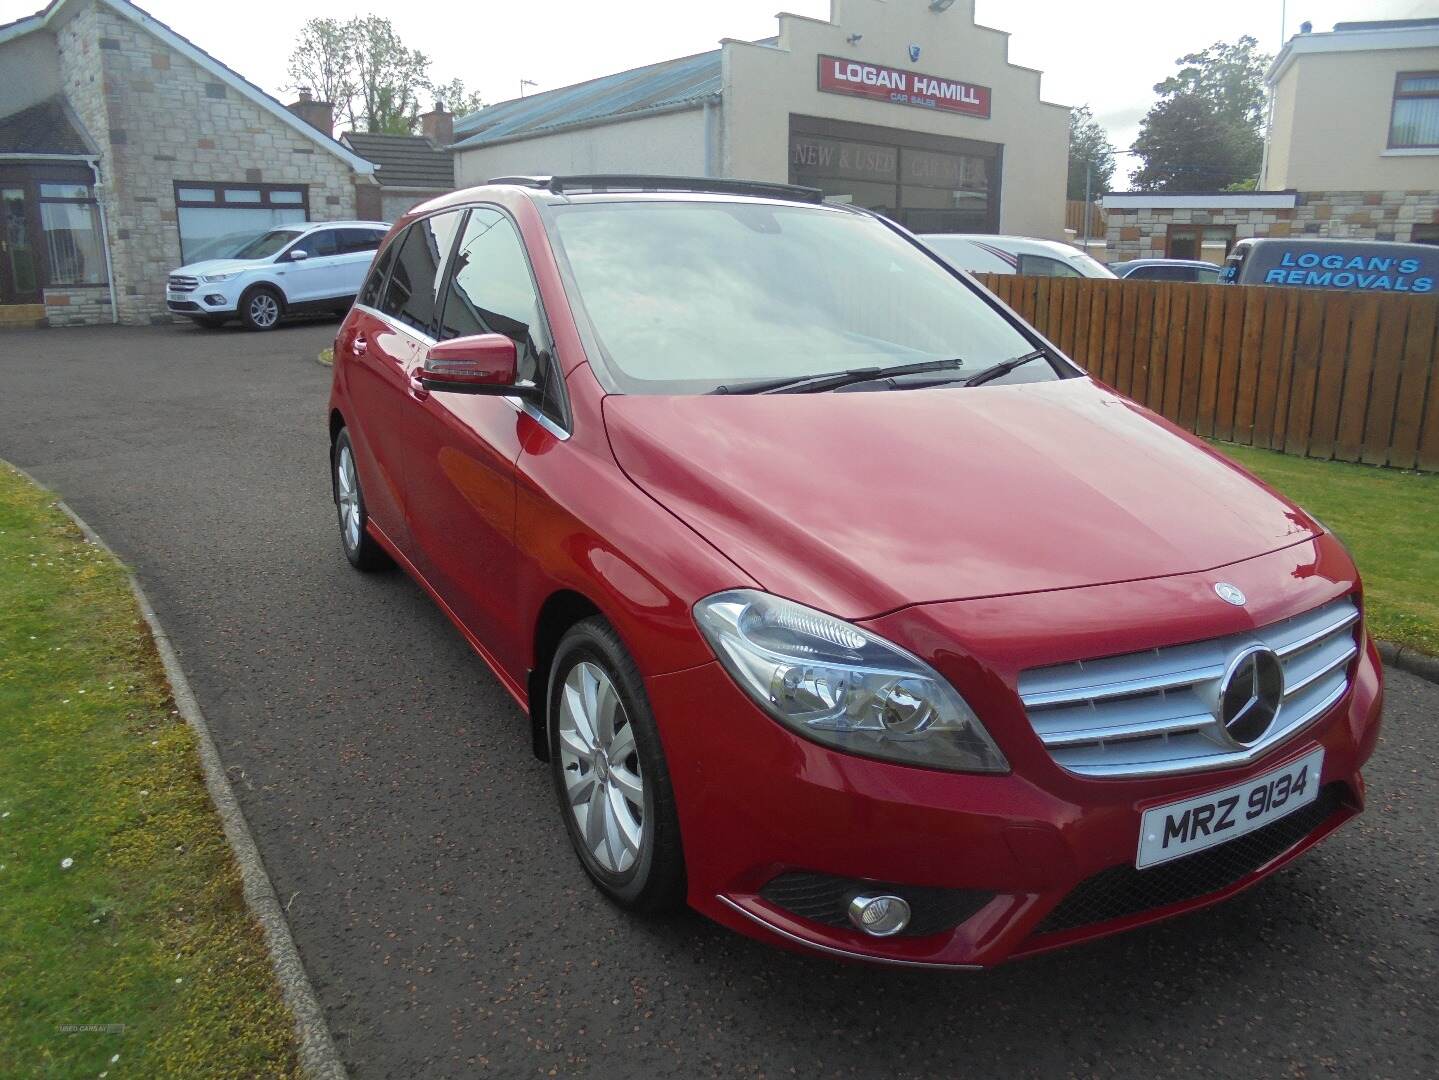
(413, 293)
(353, 240)
(375, 283)
(1044, 266)
(1205, 276)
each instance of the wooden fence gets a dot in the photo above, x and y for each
(1074, 218)
(1341, 375)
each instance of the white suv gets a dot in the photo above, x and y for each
(307, 266)
(980, 253)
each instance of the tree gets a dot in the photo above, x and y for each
(1206, 129)
(457, 97)
(388, 75)
(321, 62)
(1230, 76)
(361, 65)
(1091, 154)
(1187, 146)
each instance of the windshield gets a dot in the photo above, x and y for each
(688, 296)
(266, 244)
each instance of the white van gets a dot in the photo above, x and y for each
(982, 254)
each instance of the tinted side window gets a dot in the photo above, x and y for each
(1206, 277)
(375, 283)
(493, 293)
(318, 244)
(352, 240)
(1163, 273)
(416, 279)
(1043, 266)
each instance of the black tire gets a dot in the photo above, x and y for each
(363, 551)
(655, 882)
(210, 322)
(261, 308)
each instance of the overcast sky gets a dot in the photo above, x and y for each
(1107, 54)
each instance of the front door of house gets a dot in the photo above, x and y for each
(19, 261)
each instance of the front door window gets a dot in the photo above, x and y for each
(19, 272)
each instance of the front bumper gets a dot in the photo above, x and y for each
(204, 299)
(1032, 860)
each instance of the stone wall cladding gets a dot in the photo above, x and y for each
(79, 306)
(159, 118)
(1341, 215)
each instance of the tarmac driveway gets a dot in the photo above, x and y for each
(446, 925)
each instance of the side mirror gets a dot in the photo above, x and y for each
(298, 254)
(480, 364)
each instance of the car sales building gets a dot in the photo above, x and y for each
(902, 106)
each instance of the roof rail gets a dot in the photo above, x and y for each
(643, 182)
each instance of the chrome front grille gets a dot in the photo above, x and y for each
(1156, 712)
(179, 283)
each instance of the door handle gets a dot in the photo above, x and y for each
(359, 345)
(418, 390)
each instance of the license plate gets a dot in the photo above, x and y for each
(1182, 828)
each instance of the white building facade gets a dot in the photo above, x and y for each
(903, 106)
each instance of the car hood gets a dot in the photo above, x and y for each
(219, 266)
(861, 503)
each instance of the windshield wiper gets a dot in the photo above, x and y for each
(1005, 368)
(809, 384)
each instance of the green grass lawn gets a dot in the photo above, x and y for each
(125, 944)
(1390, 521)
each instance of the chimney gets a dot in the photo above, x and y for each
(438, 125)
(320, 115)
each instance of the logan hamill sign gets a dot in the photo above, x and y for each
(840, 76)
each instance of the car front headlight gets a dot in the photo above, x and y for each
(843, 687)
(212, 278)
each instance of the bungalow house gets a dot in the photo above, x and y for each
(126, 150)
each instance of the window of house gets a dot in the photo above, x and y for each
(216, 220)
(1210, 243)
(74, 244)
(1414, 122)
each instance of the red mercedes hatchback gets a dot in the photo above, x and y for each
(843, 606)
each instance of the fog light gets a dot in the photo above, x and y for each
(879, 916)
(214, 299)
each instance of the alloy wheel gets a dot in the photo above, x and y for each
(347, 497)
(601, 768)
(264, 310)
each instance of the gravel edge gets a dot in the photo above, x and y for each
(318, 1056)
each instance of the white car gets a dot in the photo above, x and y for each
(308, 266)
(983, 254)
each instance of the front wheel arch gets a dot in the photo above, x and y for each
(249, 294)
(560, 611)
